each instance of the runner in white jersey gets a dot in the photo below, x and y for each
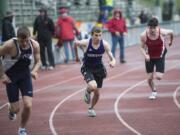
(16, 75)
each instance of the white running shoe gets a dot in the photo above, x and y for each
(153, 95)
(43, 67)
(22, 132)
(87, 96)
(11, 115)
(91, 112)
(50, 68)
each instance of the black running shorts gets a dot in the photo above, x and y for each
(97, 73)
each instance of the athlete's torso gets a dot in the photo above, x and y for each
(21, 61)
(92, 56)
(155, 47)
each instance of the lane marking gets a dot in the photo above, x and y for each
(48, 87)
(121, 95)
(51, 125)
(174, 97)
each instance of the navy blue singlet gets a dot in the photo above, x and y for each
(93, 57)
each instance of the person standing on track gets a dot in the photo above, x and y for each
(16, 75)
(93, 69)
(154, 50)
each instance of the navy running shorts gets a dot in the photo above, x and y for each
(20, 82)
(97, 73)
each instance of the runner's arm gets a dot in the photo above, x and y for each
(37, 59)
(112, 62)
(168, 32)
(143, 47)
(82, 44)
(4, 49)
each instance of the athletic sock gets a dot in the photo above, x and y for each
(21, 129)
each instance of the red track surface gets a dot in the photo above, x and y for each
(123, 109)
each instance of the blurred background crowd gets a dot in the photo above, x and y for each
(45, 19)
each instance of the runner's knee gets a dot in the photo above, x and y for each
(92, 85)
(159, 77)
(150, 79)
(27, 106)
(15, 109)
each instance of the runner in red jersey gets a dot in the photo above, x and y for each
(153, 48)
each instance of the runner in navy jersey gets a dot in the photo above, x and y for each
(153, 48)
(93, 69)
(16, 75)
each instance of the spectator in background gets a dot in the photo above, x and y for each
(8, 31)
(88, 2)
(44, 27)
(101, 11)
(109, 5)
(66, 32)
(117, 28)
(105, 7)
(77, 2)
(143, 17)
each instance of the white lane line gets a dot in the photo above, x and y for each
(116, 107)
(4, 105)
(48, 87)
(54, 73)
(51, 125)
(174, 97)
(121, 95)
(54, 85)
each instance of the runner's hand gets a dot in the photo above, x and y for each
(170, 44)
(34, 75)
(5, 79)
(147, 58)
(112, 63)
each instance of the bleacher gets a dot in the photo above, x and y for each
(27, 10)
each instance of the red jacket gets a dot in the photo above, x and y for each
(67, 28)
(117, 25)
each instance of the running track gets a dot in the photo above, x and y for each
(123, 109)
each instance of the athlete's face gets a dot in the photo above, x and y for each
(23, 42)
(97, 36)
(152, 30)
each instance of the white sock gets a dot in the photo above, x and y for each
(21, 129)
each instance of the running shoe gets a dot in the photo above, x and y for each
(22, 132)
(153, 95)
(87, 96)
(91, 112)
(11, 115)
(50, 68)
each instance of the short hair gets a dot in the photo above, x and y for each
(96, 29)
(23, 32)
(153, 22)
